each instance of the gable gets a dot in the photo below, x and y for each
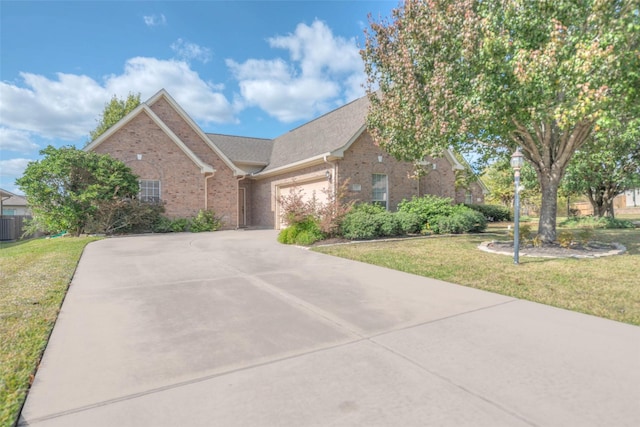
(144, 109)
(188, 131)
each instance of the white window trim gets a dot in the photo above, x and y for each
(385, 197)
(145, 198)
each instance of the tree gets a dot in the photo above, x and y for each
(115, 110)
(499, 179)
(608, 165)
(495, 75)
(65, 187)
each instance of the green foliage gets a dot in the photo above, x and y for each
(163, 225)
(206, 220)
(462, 220)
(180, 225)
(608, 165)
(409, 222)
(360, 224)
(389, 224)
(492, 213)
(492, 76)
(427, 207)
(303, 233)
(524, 234)
(113, 112)
(499, 178)
(67, 187)
(595, 222)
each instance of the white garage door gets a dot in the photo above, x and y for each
(308, 190)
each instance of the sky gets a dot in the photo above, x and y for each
(249, 68)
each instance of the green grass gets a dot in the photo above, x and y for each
(34, 277)
(607, 287)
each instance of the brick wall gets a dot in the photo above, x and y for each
(182, 184)
(223, 187)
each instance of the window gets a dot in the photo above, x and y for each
(149, 191)
(379, 193)
(8, 212)
(468, 198)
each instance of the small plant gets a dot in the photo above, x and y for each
(537, 241)
(179, 225)
(524, 234)
(584, 235)
(206, 220)
(565, 239)
(302, 233)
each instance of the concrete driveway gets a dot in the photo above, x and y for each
(232, 329)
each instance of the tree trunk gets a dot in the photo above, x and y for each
(548, 209)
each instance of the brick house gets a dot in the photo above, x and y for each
(241, 178)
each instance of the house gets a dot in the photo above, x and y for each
(241, 178)
(13, 204)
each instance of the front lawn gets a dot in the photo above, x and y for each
(34, 276)
(606, 287)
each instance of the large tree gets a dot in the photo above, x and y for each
(496, 75)
(65, 188)
(113, 111)
(606, 166)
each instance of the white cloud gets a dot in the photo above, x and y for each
(68, 106)
(325, 70)
(188, 51)
(13, 167)
(154, 20)
(16, 140)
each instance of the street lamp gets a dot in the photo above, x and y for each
(517, 161)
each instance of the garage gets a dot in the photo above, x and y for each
(309, 190)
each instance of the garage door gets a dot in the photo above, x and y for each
(308, 190)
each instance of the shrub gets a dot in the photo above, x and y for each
(305, 233)
(427, 207)
(163, 225)
(179, 225)
(409, 222)
(492, 213)
(206, 220)
(524, 235)
(388, 224)
(124, 216)
(594, 222)
(565, 238)
(461, 220)
(359, 224)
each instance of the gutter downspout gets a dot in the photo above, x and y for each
(238, 178)
(206, 190)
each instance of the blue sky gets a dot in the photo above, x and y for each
(252, 68)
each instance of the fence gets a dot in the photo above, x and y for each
(11, 227)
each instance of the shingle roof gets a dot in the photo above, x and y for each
(240, 149)
(322, 135)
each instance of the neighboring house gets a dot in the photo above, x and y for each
(242, 178)
(632, 198)
(13, 204)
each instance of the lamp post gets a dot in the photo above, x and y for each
(517, 161)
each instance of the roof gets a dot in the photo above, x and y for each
(326, 137)
(245, 150)
(10, 199)
(323, 135)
